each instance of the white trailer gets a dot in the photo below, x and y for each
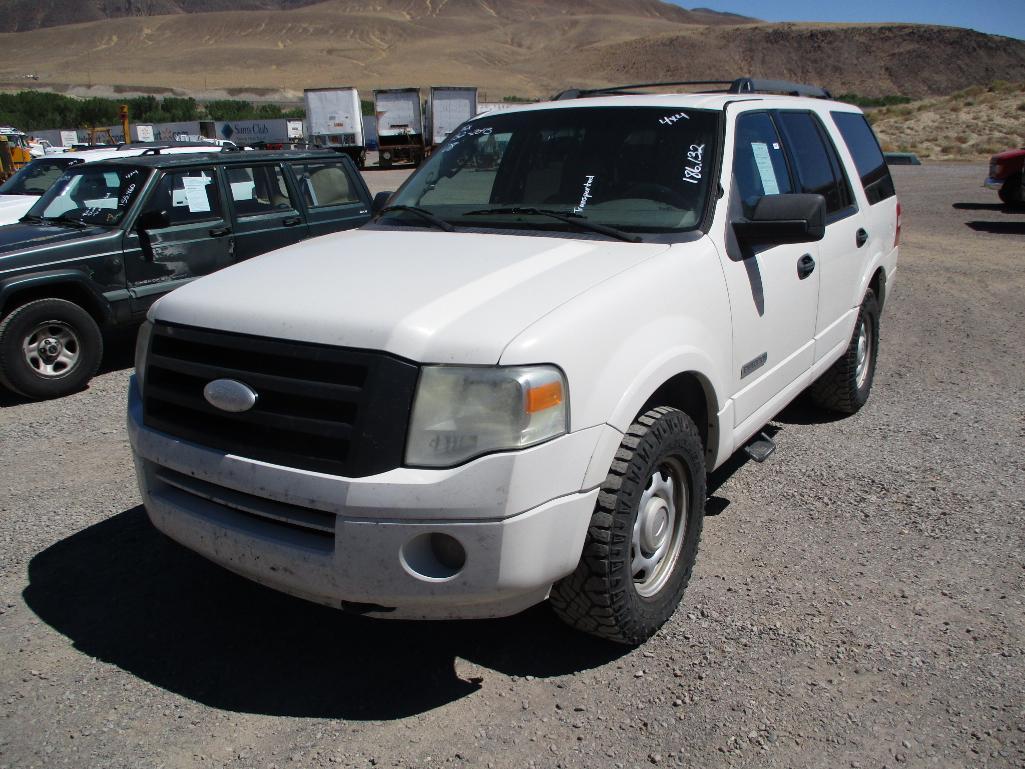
(400, 126)
(447, 109)
(335, 119)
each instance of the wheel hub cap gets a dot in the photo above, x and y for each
(51, 349)
(862, 360)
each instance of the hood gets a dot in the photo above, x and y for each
(13, 207)
(24, 237)
(1007, 155)
(431, 297)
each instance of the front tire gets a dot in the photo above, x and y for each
(643, 539)
(846, 385)
(1011, 191)
(49, 348)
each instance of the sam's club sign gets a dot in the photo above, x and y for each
(245, 131)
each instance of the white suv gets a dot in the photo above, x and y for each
(511, 385)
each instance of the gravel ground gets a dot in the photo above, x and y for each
(857, 601)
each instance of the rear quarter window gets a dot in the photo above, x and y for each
(868, 157)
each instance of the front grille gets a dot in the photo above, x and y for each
(328, 409)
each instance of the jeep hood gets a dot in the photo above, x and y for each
(28, 237)
(432, 297)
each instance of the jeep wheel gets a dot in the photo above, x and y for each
(847, 383)
(1011, 191)
(48, 348)
(644, 533)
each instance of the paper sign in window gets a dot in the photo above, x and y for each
(195, 193)
(765, 170)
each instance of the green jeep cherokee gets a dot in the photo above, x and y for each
(110, 238)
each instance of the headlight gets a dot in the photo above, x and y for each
(141, 348)
(463, 412)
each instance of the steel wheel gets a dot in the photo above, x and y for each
(659, 528)
(864, 354)
(51, 348)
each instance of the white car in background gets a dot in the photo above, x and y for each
(19, 193)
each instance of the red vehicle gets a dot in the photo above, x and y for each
(1005, 176)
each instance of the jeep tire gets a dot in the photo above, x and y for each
(846, 385)
(1010, 193)
(48, 348)
(643, 537)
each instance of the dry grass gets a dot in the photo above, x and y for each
(969, 125)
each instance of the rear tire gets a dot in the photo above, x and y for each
(845, 387)
(49, 348)
(643, 539)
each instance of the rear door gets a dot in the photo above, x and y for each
(842, 252)
(265, 209)
(197, 241)
(334, 195)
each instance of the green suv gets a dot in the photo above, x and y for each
(110, 238)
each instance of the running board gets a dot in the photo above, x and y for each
(761, 448)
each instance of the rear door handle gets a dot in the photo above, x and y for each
(805, 266)
(291, 221)
(220, 232)
(861, 238)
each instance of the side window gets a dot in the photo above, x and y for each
(325, 184)
(817, 165)
(187, 196)
(759, 165)
(868, 157)
(258, 189)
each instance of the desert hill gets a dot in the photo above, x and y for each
(529, 48)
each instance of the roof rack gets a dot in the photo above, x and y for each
(740, 85)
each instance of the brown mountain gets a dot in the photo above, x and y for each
(507, 47)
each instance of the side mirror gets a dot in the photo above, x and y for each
(380, 201)
(778, 219)
(153, 220)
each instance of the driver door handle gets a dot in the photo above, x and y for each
(805, 266)
(291, 221)
(861, 237)
(220, 232)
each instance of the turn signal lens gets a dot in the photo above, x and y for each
(544, 397)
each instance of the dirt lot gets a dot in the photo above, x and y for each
(858, 600)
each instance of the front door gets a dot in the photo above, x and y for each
(264, 209)
(773, 295)
(180, 234)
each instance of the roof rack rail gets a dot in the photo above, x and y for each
(740, 85)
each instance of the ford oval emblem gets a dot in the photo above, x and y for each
(229, 395)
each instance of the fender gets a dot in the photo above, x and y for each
(98, 304)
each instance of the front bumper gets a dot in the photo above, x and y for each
(520, 518)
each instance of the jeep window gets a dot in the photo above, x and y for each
(186, 196)
(638, 169)
(325, 184)
(759, 164)
(868, 157)
(91, 194)
(37, 177)
(258, 189)
(817, 165)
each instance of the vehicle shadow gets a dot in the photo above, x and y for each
(999, 228)
(125, 594)
(981, 207)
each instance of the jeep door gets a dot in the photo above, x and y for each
(265, 209)
(333, 193)
(842, 252)
(180, 234)
(774, 289)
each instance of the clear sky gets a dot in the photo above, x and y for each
(998, 17)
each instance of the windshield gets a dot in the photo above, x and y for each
(37, 177)
(92, 194)
(636, 169)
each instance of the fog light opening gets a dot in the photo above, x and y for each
(433, 557)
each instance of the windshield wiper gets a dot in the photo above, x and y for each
(63, 219)
(578, 220)
(32, 219)
(423, 213)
